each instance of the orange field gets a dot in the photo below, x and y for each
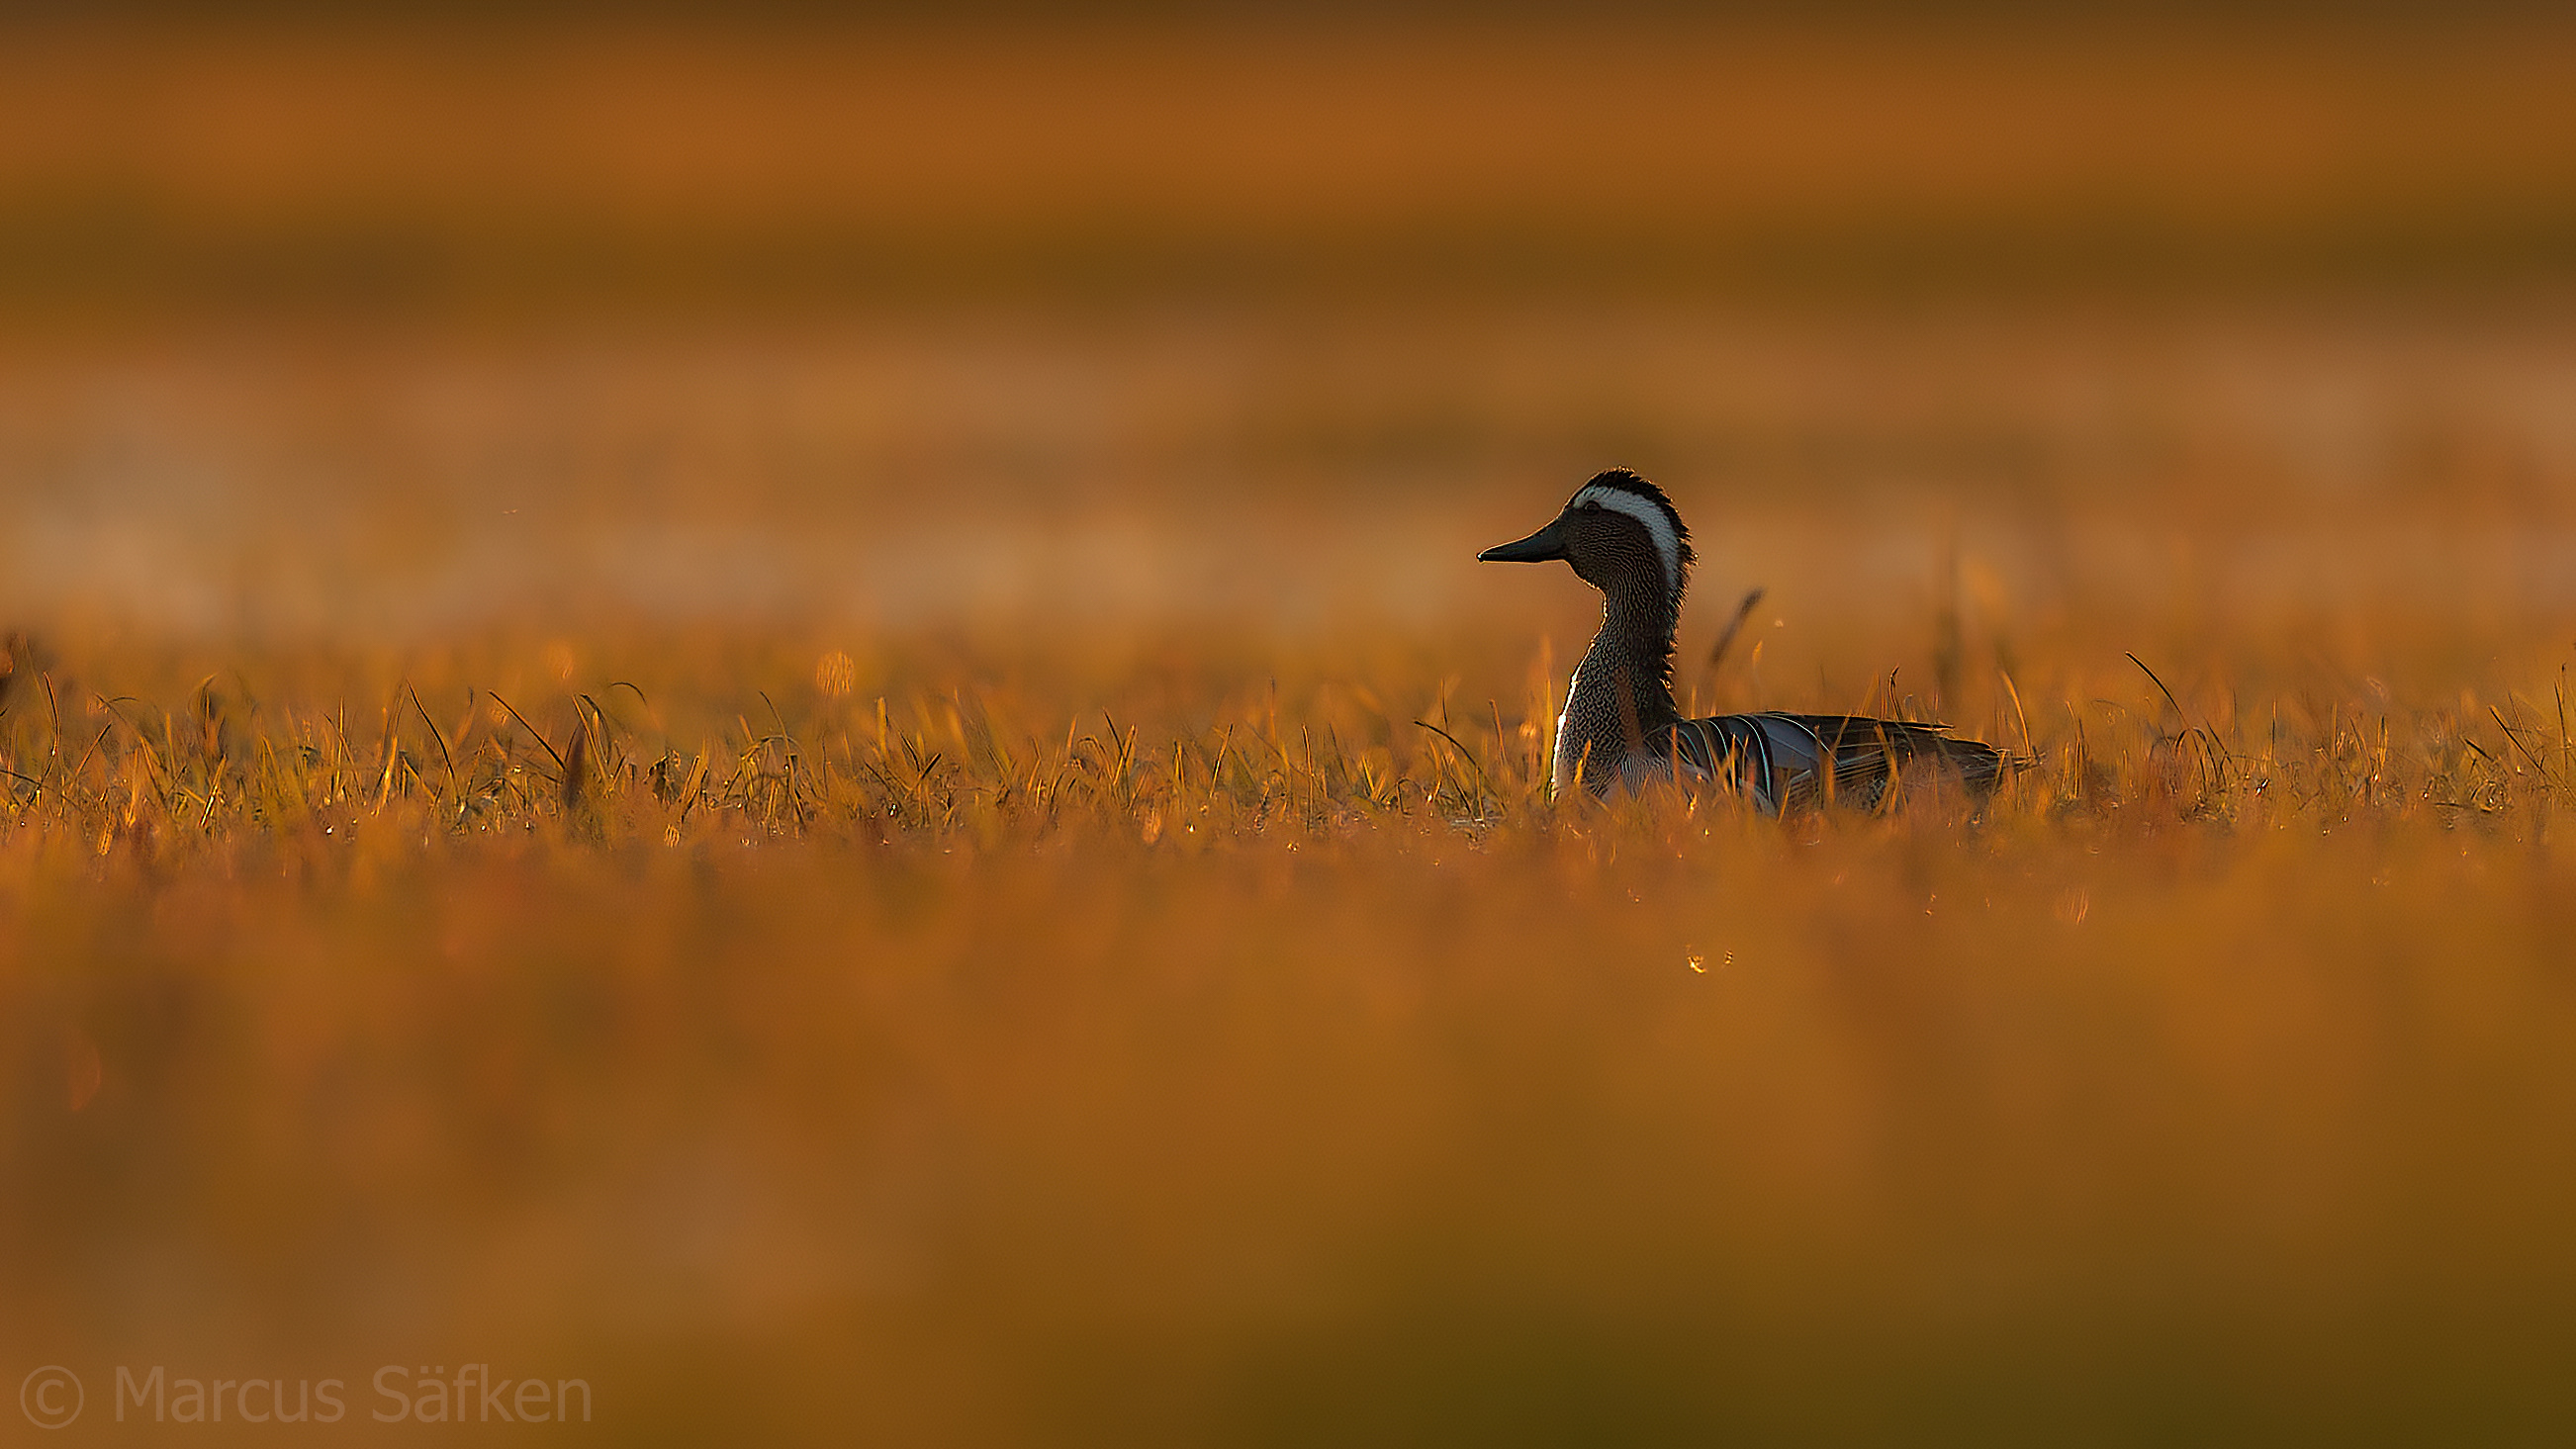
(793, 733)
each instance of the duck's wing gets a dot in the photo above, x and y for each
(1794, 759)
(1756, 754)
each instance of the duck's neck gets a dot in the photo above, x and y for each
(1619, 709)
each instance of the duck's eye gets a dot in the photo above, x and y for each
(1591, 507)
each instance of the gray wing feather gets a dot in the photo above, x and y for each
(1783, 759)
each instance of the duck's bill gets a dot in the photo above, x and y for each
(1548, 543)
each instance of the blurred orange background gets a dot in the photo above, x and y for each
(466, 163)
(822, 412)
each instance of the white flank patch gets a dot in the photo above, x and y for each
(1658, 527)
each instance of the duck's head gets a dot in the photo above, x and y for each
(1619, 531)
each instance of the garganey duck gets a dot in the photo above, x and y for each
(1620, 725)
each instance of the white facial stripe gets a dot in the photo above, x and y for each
(1658, 527)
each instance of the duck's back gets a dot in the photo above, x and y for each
(1785, 760)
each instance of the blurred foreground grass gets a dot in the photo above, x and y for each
(1247, 1063)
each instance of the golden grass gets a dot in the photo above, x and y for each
(1062, 1014)
(974, 1069)
(989, 769)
